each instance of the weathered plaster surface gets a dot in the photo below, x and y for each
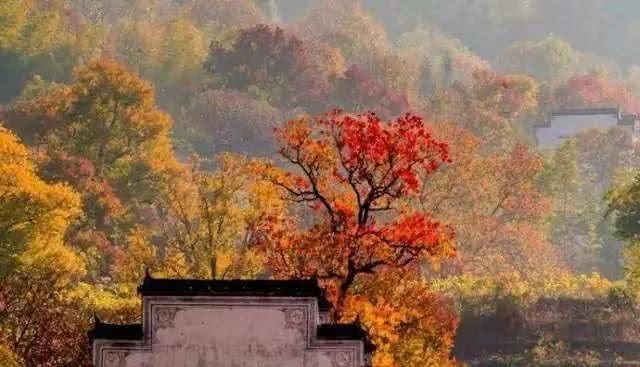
(229, 332)
(566, 126)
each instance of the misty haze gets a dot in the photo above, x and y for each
(319, 183)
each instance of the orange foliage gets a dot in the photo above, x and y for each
(409, 323)
(590, 90)
(488, 106)
(492, 201)
(355, 229)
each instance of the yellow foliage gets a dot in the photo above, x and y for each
(7, 357)
(112, 304)
(213, 218)
(140, 256)
(32, 29)
(34, 215)
(347, 25)
(37, 270)
(13, 15)
(170, 52)
(409, 324)
(474, 290)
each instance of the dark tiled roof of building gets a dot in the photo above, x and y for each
(586, 111)
(609, 111)
(261, 288)
(351, 331)
(341, 332)
(103, 330)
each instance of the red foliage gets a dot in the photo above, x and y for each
(488, 105)
(41, 326)
(101, 205)
(584, 91)
(355, 172)
(99, 199)
(232, 121)
(273, 61)
(360, 90)
(259, 53)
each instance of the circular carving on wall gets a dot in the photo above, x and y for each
(296, 317)
(342, 359)
(115, 359)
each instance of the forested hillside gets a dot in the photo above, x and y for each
(386, 148)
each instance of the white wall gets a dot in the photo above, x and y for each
(230, 332)
(567, 126)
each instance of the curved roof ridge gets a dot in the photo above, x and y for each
(236, 287)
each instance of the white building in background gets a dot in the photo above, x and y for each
(234, 323)
(563, 124)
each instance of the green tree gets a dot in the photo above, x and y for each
(183, 52)
(550, 59)
(576, 177)
(13, 16)
(569, 227)
(39, 38)
(446, 59)
(623, 202)
(170, 53)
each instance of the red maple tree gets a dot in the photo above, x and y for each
(352, 174)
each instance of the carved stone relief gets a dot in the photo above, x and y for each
(341, 358)
(164, 317)
(115, 358)
(295, 318)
